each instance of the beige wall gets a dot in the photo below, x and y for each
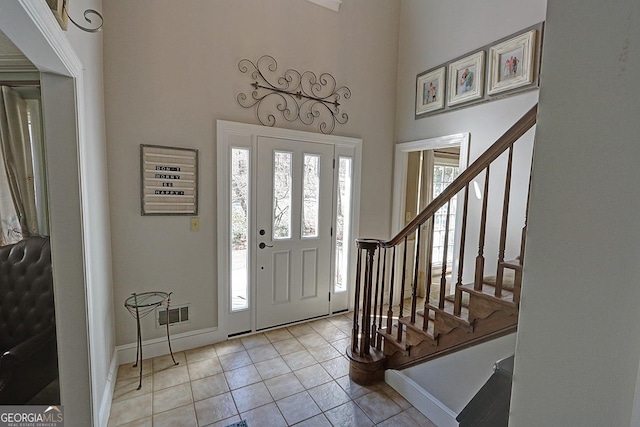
(171, 70)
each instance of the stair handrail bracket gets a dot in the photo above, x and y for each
(389, 333)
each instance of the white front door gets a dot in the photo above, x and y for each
(294, 211)
(298, 194)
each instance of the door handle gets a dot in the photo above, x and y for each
(263, 245)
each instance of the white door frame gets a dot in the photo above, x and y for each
(30, 25)
(400, 182)
(233, 134)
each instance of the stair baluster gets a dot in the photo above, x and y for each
(503, 228)
(402, 285)
(374, 329)
(384, 276)
(457, 305)
(479, 276)
(443, 276)
(392, 280)
(455, 325)
(427, 297)
(414, 291)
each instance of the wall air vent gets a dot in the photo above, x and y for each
(176, 314)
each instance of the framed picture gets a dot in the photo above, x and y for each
(169, 180)
(59, 10)
(430, 91)
(466, 79)
(511, 63)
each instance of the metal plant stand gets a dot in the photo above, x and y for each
(139, 305)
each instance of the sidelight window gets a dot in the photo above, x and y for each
(239, 229)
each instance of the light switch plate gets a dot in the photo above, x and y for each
(195, 224)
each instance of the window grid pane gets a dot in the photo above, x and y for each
(282, 186)
(311, 190)
(442, 177)
(343, 226)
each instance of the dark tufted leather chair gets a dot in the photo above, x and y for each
(27, 323)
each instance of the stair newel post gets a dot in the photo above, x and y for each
(402, 284)
(384, 276)
(366, 364)
(427, 297)
(443, 276)
(356, 304)
(503, 227)
(414, 290)
(457, 305)
(479, 273)
(370, 247)
(391, 283)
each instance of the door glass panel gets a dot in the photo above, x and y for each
(282, 195)
(239, 229)
(310, 190)
(343, 227)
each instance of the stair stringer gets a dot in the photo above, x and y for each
(497, 324)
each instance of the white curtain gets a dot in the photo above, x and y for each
(18, 214)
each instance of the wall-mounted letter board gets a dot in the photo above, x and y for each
(169, 180)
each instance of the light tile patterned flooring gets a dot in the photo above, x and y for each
(297, 375)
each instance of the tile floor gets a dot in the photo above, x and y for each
(296, 375)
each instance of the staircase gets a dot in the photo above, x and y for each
(392, 330)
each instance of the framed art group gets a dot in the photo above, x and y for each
(505, 67)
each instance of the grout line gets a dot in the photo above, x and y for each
(319, 325)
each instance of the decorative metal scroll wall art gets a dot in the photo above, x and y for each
(60, 10)
(298, 96)
(96, 27)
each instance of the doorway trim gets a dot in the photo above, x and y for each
(400, 168)
(402, 151)
(234, 134)
(31, 26)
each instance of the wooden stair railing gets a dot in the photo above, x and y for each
(476, 312)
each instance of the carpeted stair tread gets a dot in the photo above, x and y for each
(465, 299)
(508, 280)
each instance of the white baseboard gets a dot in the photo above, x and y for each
(107, 394)
(179, 342)
(422, 400)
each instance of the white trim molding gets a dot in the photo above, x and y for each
(421, 399)
(329, 4)
(402, 151)
(159, 347)
(107, 395)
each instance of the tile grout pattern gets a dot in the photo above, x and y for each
(296, 375)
